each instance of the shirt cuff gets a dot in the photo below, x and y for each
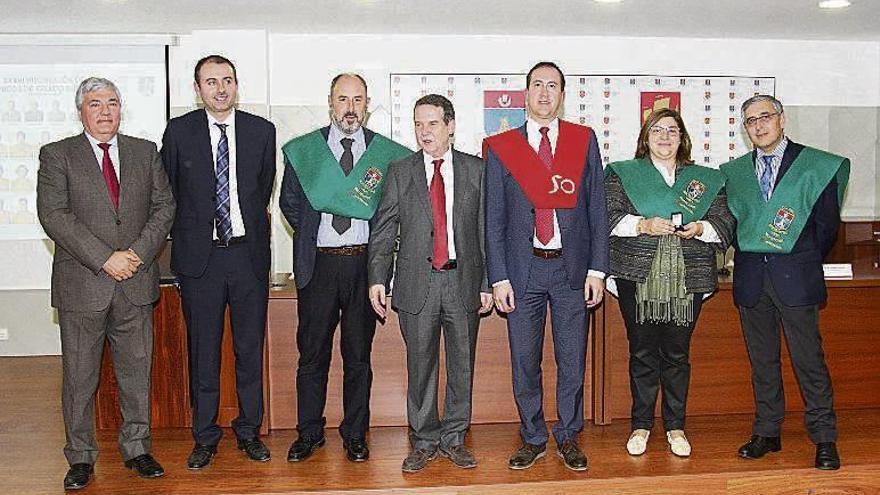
(709, 234)
(500, 282)
(596, 273)
(628, 226)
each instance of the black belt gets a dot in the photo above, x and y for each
(232, 241)
(344, 250)
(449, 265)
(547, 253)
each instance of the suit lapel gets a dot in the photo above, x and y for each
(242, 141)
(91, 168)
(792, 150)
(202, 141)
(420, 183)
(127, 173)
(461, 182)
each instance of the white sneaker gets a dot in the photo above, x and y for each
(678, 443)
(638, 441)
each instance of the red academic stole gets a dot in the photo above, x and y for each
(555, 188)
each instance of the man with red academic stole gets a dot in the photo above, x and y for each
(333, 181)
(546, 240)
(786, 198)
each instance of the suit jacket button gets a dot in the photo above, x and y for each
(432, 233)
(429, 259)
(532, 210)
(118, 222)
(213, 198)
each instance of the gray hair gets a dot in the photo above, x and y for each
(777, 105)
(94, 84)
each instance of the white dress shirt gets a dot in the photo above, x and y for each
(448, 178)
(99, 153)
(359, 232)
(533, 130)
(234, 206)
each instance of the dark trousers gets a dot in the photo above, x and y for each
(228, 280)
(129, 329)
(548, 281)
(659, 355)
(760, 325)
(336, 293)
(421, 332)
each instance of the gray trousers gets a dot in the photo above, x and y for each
(421, 332)
(129, 329)
(760, 325)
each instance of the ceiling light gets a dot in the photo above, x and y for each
(607, 1)
(834, 4)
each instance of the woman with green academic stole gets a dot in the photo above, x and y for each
(668, 219)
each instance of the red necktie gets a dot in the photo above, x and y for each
(110, 175)
(438, 209)
(544, 216)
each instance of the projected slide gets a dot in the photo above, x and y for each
(37, 107)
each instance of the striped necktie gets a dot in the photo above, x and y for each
(222, 218)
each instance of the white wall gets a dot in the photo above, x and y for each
(277, 69)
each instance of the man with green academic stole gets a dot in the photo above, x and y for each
(332, 184)
(786, 198)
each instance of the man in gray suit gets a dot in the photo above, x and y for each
(104, 199)
(435, 198)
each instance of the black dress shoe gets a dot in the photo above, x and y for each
(201, 456)
(526, 456)
(302, 448)
(827, 456)
(255, 449)
(78, 476)
(146, 466)
(758, 446)
(572, 455)
(356, 449)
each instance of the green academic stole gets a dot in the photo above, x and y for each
(556, 187)
(328, 189)
(774, 226)
(692, 194)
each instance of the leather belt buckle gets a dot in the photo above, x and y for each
(344, 250)
(547, 254)
(449, 265)
(232, 242)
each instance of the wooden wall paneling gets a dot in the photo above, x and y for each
(720, 371)
(493, 389)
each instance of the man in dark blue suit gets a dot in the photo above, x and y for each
(221, 165)
(546, 240)
(786, 198)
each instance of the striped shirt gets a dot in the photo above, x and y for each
(760, 164)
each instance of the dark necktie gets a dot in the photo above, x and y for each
(544, 216)
(222, 218)
(438, 210)
(766, 180)
(110, 175)
(346, 162)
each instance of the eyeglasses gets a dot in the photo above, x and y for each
(753, 121)
(670, 131)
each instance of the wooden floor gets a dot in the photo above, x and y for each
(32, 436)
